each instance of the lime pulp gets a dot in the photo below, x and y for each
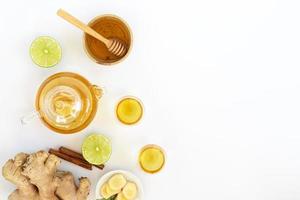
(96, 149)
(45, 51)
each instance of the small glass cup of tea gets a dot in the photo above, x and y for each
(129, 110)
(152, 158)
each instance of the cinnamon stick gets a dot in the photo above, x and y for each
(77, 155)
(99, 166)
(73, 160)
(71, 153)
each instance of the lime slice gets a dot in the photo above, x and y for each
(45, 51)
(96, 149)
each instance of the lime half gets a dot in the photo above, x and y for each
(96, 149)
(45, 51)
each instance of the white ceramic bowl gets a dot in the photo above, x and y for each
(129, 177)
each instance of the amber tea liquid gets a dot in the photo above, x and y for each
(129, 110)
(152, 158)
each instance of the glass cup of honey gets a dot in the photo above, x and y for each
(110, 26)
(66, 103)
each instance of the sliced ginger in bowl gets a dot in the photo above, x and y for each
(117, 185)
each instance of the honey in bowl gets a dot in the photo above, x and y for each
(110, 26)
(152, 158)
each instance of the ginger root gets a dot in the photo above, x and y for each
(37, 178)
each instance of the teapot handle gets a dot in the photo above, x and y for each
(98, 91)
(29, 117)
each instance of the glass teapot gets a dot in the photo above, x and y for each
(66, 103)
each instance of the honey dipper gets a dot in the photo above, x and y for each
(114, 45)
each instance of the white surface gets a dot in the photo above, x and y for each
(219, 79)
(128, 176)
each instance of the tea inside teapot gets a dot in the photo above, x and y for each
(62, 104)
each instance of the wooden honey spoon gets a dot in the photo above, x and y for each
(115, 46)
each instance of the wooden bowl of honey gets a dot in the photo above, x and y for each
(110, 26)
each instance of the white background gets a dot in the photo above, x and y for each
(219, 80)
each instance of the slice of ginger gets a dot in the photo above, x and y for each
(107, 192)
(103, 191)
(121, 196)
(110, 191)
(130, 191)
(117, 182)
